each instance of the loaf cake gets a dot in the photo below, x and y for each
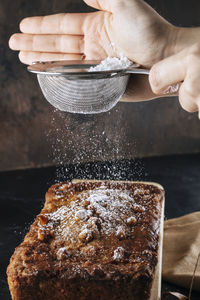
(94, 240)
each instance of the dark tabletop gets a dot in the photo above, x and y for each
(22, 195)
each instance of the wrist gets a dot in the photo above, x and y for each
(173, 42)
(183, 38)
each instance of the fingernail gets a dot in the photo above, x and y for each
(11, 43)
(172, 89)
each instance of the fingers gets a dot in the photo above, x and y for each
(47, 43)
(28, 58)
(167, 72)
(182, 67)
(55, 24)
(187, 101)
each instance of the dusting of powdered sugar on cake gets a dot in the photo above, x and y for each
(112, 63)
(97, 211)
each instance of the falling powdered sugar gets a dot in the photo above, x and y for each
(94, 147)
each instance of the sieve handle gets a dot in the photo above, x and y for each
(137, 71)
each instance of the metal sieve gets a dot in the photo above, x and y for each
(68, 85)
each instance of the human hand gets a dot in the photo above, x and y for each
(132, 26)
(181, 71)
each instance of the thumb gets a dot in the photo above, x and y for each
(106, 5)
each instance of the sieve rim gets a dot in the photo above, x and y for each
(74, 69)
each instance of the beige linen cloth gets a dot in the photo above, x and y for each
(181, 250)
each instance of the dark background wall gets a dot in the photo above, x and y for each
(33, 134)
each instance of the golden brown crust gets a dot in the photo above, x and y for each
(92, 240)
